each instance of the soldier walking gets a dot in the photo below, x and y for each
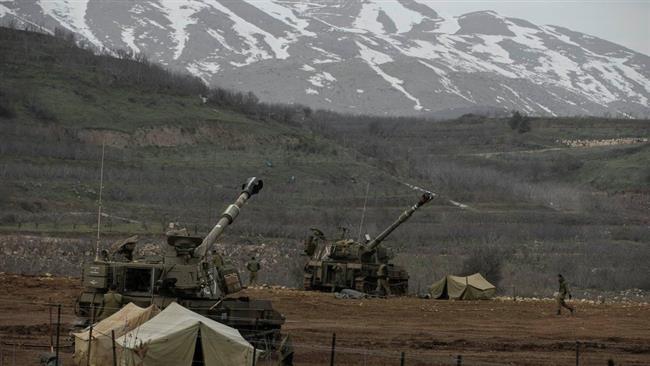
(112, 302)
(563, 292)
(253, 267)
(382, 281)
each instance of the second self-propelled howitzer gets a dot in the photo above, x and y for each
(189, 272)
(346, 263)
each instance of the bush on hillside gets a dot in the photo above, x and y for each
(519, 122)
(486, 260)
(6, 106)
(39, 109)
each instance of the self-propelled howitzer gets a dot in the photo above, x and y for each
(346, 263)
(189, 272)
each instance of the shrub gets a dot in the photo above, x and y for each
(6, 105)
(486, 260)
(6, 109)
(40, 110)
(519, 122)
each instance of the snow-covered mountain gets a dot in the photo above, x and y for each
(397, 57)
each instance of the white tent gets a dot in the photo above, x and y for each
(101, 348)
(170, 339)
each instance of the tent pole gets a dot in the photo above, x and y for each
(90, 342)
(50, 328)
(113, 340)
(333, 349)
(58, 331)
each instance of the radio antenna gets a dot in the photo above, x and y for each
(99, 209)
(363, 214)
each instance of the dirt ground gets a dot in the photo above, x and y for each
(376, 331)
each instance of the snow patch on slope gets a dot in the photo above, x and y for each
(249, 32)
(402, 17)
(72, 14)
(322, 79)
(549, 29)
(446, 82)
(4, 10)
(215, 34)
(278, 11)
(491, 47)
(331, 58)
(525, 36)
(181, 15)
(128, 37)
(203, 69)
(446, 24)
(374, 59)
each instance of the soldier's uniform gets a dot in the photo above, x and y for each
(123, 249)
(382, 280)
(339, 277)
(175, 229)
(111, 304)
(217, 260)
(310, 246)
(253, 267)
(563, 292)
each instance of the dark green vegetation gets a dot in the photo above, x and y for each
(536, 205)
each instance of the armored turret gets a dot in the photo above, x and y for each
(346, 263)
(184, 274)
(250, 188)
(400, 220)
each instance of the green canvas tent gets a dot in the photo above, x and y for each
(178, 337)
(473, 287)
(126, 319)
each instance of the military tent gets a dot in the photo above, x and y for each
(473, 287)
(101, 347)
(178, 336)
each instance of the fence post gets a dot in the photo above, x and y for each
(577, 353)
(90, 342)
(401, 359)
(114, 353)
(333, 349)
(254, 352)
(459, 360)
(49, 300)
(58, 332)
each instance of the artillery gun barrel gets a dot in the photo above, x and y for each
(402, 218)
(250, 188)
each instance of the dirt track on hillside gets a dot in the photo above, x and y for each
(375, 331)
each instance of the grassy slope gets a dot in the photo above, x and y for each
(51, 157)
(170, 157)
